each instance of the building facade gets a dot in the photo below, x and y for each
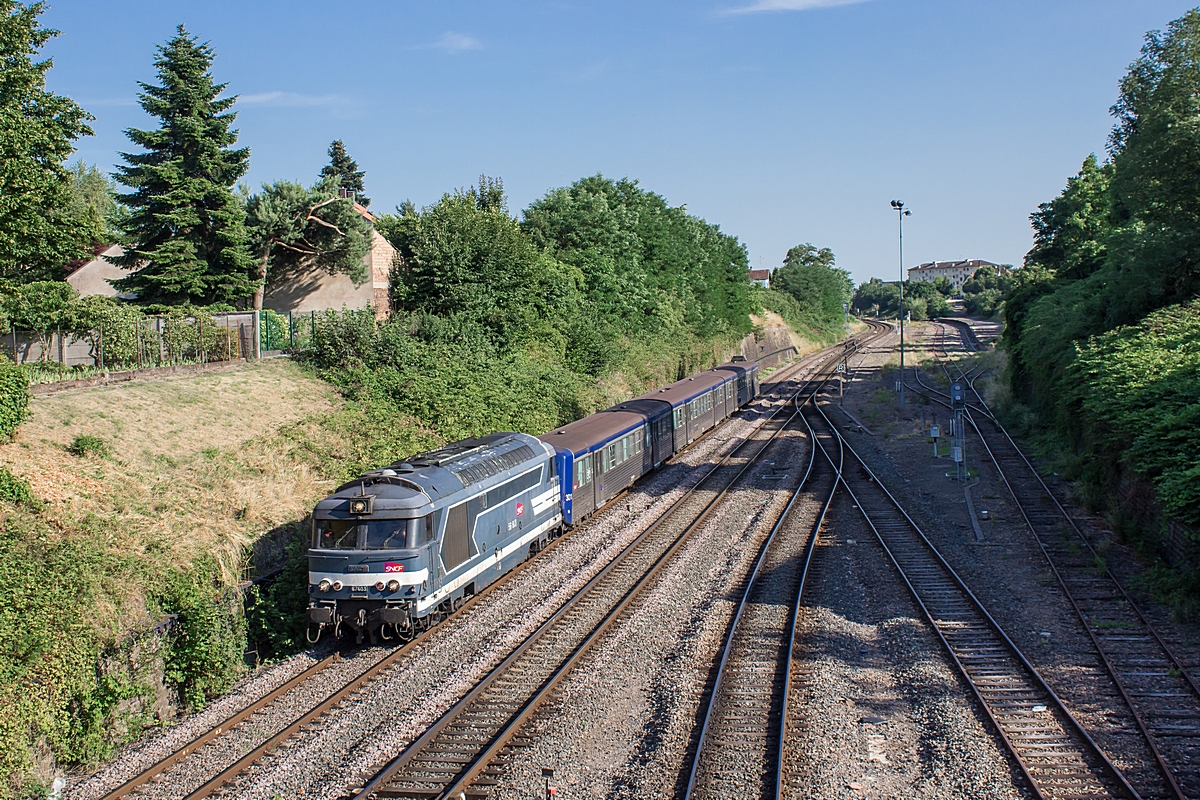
(761, 276)
(957, 272)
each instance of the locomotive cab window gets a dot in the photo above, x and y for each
(389, 534)
(335, 534)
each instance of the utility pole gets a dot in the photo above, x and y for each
(902, 212)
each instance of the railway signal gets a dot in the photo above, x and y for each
(958, 406)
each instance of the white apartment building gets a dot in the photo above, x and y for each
(958, 272)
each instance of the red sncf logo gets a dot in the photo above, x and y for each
(520, 509)
(392, 566)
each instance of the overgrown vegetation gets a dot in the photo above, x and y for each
(922, 299)
(817, 289)
(1102, 324)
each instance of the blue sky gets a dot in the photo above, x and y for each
(783, 121)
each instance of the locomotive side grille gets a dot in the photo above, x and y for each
(491, 465)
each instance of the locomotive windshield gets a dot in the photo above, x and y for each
(393, 534)
(387, 534)
(335, 534)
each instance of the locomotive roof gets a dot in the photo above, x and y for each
(415, 481)
(688, 389)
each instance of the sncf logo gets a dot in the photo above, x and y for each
(520, 509)
(392, 566)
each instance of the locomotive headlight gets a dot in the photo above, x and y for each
(393, 585)
(337, 586)
(379, 586)
(324, 585)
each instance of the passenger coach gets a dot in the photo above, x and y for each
(600, 456)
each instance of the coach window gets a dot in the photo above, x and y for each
(583, 472)
(335, 534)
(679, 417)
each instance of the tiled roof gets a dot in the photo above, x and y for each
(760, 275)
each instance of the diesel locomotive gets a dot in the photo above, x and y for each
(400, 548)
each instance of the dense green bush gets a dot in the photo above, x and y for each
(14, 397)
(85, 445)
(1136, 389)
(819, 288)
(13, 489)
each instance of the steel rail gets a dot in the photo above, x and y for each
(1054, 752)
(735, 632)
(225, 726)
(472, 765)
(177, 755)
(1017, 457)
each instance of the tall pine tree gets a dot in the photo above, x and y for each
(39, 232)
(186, 228)
(344, 170)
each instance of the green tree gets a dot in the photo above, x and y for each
(1070, 231)
(468, 263)
(1155, 254)
(39, 234)
(877, 296)
(931, 292)
(809, 275)
(42, 307)
(648, 267)
(344, 172)
(93, 198)
(292, 227)
(186, 234)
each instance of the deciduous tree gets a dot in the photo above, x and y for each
(39, 234)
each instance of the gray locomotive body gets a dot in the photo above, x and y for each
(404, 545)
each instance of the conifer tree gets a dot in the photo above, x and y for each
(186, 228)
(344, 170)
(39, 233)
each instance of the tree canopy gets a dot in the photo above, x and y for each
(808, 274)
(291, 226)
(39, 231)
(186, 233)
(344, 172)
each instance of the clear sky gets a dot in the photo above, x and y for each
(783, 121)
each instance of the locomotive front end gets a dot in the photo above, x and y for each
(368, 561)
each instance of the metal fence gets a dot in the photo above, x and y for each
(158, 341)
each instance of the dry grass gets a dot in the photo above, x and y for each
(200, 464)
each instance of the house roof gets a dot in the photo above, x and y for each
(760, 275)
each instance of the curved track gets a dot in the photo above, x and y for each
(221, 777)
(1055, 754)
(462, 753)
(1148, 678)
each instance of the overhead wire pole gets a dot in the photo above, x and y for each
(902, 212)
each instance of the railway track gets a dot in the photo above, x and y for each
(1057, 757)
(1148, 678)
(468, 748)
(159, 769)
(359, 682)
(741, 749)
